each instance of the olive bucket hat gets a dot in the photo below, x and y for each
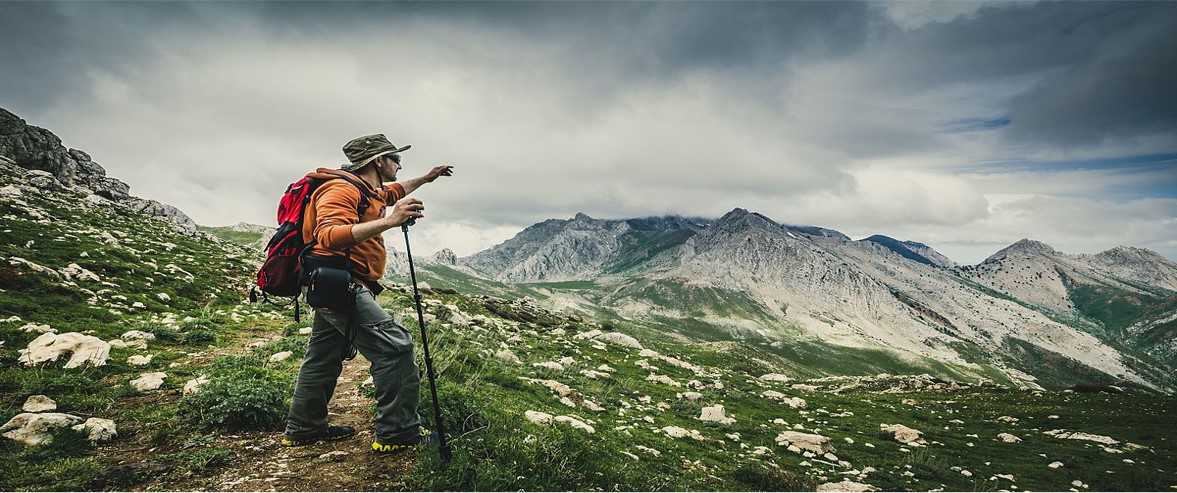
(363, 150)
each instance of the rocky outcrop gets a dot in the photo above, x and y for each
(37, 150)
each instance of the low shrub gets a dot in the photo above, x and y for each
(251, 398)
(200, 336)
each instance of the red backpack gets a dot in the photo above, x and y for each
(281, 274)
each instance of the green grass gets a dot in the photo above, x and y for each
(225, 233)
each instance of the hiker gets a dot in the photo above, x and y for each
(338, 236)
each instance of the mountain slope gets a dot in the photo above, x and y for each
(744, 275)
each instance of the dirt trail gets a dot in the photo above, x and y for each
(348, 465)
(262, 464)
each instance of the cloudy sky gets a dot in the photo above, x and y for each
(966, 126)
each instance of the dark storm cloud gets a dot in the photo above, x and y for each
(35, 51)
(47, 48)
(653, 40)
(1126, 89)
(1097, 71)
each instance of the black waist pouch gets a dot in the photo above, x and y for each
(328, 282)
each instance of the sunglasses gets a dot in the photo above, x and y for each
(396, 158)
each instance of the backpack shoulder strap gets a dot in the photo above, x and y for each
(365, 194)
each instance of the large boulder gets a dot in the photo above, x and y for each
(37, 428)
(83, 349)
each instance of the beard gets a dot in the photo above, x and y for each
(384, 177)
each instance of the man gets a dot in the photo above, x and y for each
(336, 231)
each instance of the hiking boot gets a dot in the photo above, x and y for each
(330, 434)
(425, 437)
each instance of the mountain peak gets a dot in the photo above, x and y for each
(1024, 247)
(580, 216)
(1031, 246)
(746, 218)
(1125, 253)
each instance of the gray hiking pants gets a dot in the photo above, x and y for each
(385, 343)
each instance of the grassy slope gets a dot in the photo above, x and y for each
(485, 398)
(201, 283)
(225, 233)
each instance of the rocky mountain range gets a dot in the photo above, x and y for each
(1029, 310)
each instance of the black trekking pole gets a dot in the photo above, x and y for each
(441, 437)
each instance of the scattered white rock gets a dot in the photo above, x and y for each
(305, 331)
(163, 297)
(966, 473)
(692, 396)
(775, 377)
(793, 402)
(567, 361)
(98, 430)
(36, 428)
(137, 334)
(592, 334)
(805, 441)
(1055, 465)
(551, 365)
(575, 423)
(677, 432)
(509, 356)
(75, 271)
(84, 349)
(149, 381)
(846, 485)
(559, 388)
(621, 340)
(333, 454)
(715, 414)
(903, 434)
(282, 356)
(663, 379)
(192, 387)
(1078, 435)
(139, 360)
(1008, 438)
(39, 404)
(138, 305)
(593, 374)
(44, 329)
(538, 417)
(648, 450)
(1008, 419)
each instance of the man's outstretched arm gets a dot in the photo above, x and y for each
(415, 183)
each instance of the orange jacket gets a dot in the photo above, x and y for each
(333, 211)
